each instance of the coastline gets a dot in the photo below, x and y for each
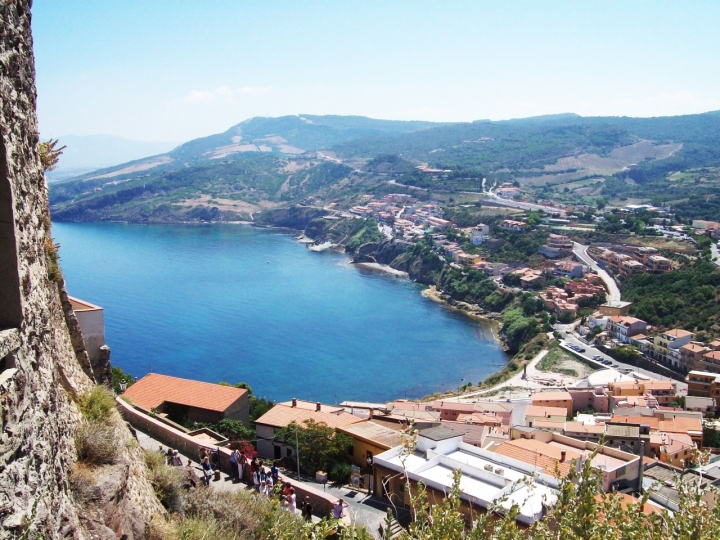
(472, 311)
(382, 268)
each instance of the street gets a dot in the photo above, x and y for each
(580, 252)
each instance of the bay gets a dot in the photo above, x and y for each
(235, 303)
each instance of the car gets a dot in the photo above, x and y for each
(616, 366)
(607, 362)
(580, 349)
(597, 357)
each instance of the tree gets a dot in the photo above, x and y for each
(319, 445)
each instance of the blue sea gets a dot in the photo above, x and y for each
(234, 303)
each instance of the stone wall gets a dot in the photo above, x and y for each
(41, 372)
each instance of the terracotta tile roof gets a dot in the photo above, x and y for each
(545, 449)
(552, 396)
(693, 347)
(377, 434)
(544, 412)
(680, 425)
(282, 415)
(547, 464)
(154, 389)
(678, 333)
(479, 419)
(650, 420)
(579, 427)
(455, 406)
(311, 406)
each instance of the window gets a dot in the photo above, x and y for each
(10, 306)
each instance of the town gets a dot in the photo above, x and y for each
(636, 402)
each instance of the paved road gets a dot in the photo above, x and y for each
(581, 253)
(521, 205)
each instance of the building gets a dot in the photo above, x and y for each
(700, 404)
(667, 346)
(182, 400)
(479, 234)
(486, 477)
(656, 264)
(617, 308)
(703, 384)
(511, 225)
(298, 412)
(537, 416)
(621, 328)
(619, 469)
(664, 392)
(556, 246)
(631, 267)
(369, 440)
(92, 325)
(568, 269)
(450, 410)
(692, 356)
(555, 399)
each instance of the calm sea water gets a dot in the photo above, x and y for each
(233, 303)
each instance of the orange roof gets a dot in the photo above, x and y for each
(693, 347)
(311, 406)
(282, 415)
(544, 412)
(545, 449)
(678, 333)
(456, 406)
(579, 427)
(680, 425)
(479, 418)
(154, 389)
(552, 396)
(547, 464)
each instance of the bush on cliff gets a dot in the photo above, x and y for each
(97, 404)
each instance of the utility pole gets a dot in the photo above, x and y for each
(297, 453)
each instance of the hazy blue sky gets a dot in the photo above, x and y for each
(176, 70)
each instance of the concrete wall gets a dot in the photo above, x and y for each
(92, 326)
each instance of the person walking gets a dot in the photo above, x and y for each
(274, 472)
(263, 490)
(269, 482)
(177, 460)
(256, 480)
(339, 509)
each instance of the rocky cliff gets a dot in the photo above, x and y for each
(41, 377)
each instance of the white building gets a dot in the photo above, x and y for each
(479, 234)
(486, 477)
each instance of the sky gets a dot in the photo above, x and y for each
(175, 70)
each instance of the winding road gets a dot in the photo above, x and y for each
(581, 253)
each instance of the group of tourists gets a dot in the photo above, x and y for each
(265, 481)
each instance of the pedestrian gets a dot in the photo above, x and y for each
(234, 457)
(286, 489)
(339, 509)
(207, 470)
(241, 466)
(270, 484)
(177, 460)
(292, 508)
(306, 509)
(256, 480)
(263, 490)
(169, 456)
(274, 472)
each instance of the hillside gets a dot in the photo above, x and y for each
(267, 162)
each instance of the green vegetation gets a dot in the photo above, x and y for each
(321, 447)
(364, 231)
(119, 376)
(98, 441)
(687, 298)
(96, 404)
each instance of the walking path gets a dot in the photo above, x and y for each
(363, 509)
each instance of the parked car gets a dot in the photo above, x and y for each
(607, 362)
(580, 349)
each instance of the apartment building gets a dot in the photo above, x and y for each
(631, 267)
(656, 264)
(691, 356)
(556, 246)
(667, 346)
(621, 328)
(703, 384)
(511, 225)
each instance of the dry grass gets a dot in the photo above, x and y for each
(98, 442)
(82, 483)
(97, 404)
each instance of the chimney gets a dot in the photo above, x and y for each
(294, 402)
(563, 455)
(317, 407)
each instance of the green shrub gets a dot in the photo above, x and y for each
(96, 404)
(340, 473)
(164, 480)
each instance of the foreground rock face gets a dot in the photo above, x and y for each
(40, 373)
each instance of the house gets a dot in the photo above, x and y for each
(537, 416)
(621, 328)
(631, 267)
(568, 269)
(657, 264)
(556, 246)
(473, 434)
(296, 411)
(703, 384)
(92, 325)
(667, 346)
(450, 410)
(692, 356)
(511, 225)
(616, 308)
(370, 439)
(554, 399)
(700, 404)
(479, 234)
(182, 400)
(619, 469)
(486, 477)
